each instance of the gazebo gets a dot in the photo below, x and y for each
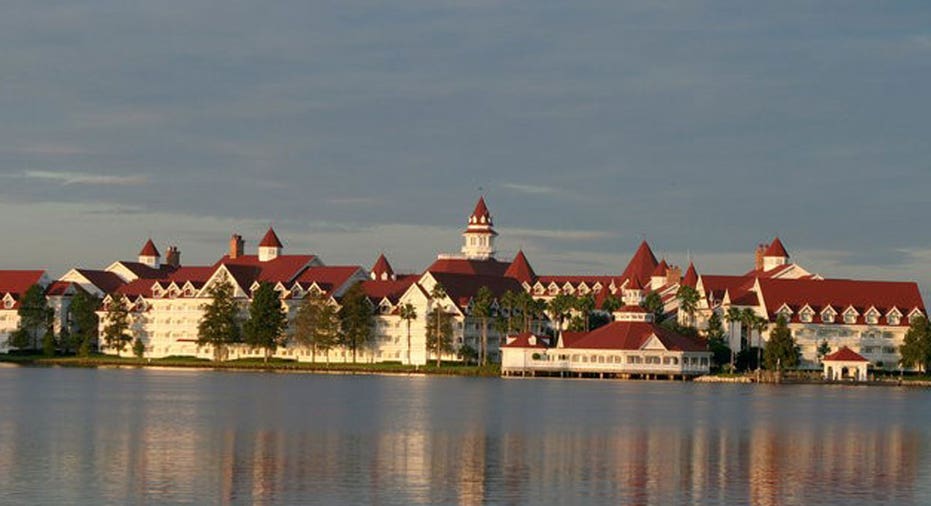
(845, 364)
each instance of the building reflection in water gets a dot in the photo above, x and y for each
(161, 445)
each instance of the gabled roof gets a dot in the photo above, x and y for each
(840, 294)
(489, 267)
(391, 289)
(283, 268)
(145, 272)
(18, 282)
(520, 269)
(149, 250)
(270, 240)
(462, 287)
(526, 340)
(625, 335)
(691, 276)
(776, 249)
(59, 288)
(382, 269)
(634, 284)
(642, 264)
(106, 281)
(330, 277)
(844, 354)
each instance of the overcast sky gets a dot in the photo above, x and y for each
(358, 127)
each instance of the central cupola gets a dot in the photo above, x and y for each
(479, 236)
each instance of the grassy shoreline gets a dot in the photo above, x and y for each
(451, 369)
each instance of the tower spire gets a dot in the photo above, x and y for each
(479, 236)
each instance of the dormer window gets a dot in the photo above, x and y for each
(850, 317)
(872, 317)
(894, 317)
(828, 315)
(806, 315)
(8, 303)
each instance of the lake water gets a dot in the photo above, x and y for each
(105, 436)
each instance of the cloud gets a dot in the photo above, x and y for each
(565, 235)
(530, 189)
(79, 178)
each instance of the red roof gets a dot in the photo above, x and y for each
(106, 281)
(58, 288)
(140, 287)
(490, 267)
(520, 269)
(481, 210)
(691, 276)
(841, 294)
(845, 354)
(270, 240)
(382, 269)
(634, 284)
(522, 340)
(715, 286)
(194, 274)
(462, 287)
(330, 277)
(149, 250)
(144, 271)
(776, 249)
(247, 269)
(642, 264)
(661, 269)
(17, 282)
(631, 336)
(392, 290)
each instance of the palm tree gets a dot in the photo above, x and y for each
(733, 315)
(437, 294)
(559, 307)
(408, 313)
(610, 305)
(760, 325)
(481, 309)
(688, 302)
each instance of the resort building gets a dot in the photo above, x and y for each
(631, 346)
(167, 299)
(869, 317)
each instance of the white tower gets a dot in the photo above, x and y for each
(150, 255)
(270, 247)
(479, 236)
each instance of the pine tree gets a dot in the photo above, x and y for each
(781, 349)
(138, 348)
(357, 320)
(916, 348)
(116, 330)
(717, 343)
(316, 324)
(219, 325)
(35, 317)
(267, 321)
(84, 322)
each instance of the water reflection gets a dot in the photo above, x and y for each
(130, 437)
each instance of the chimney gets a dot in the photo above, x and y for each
(673, 274)
(173, 257)
(236, 246)
(758, 259)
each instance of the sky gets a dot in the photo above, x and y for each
(360, 127)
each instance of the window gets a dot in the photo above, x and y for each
(828, 316)
(806, 316)
(850, 317)
(872, 317)
(894, 319)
